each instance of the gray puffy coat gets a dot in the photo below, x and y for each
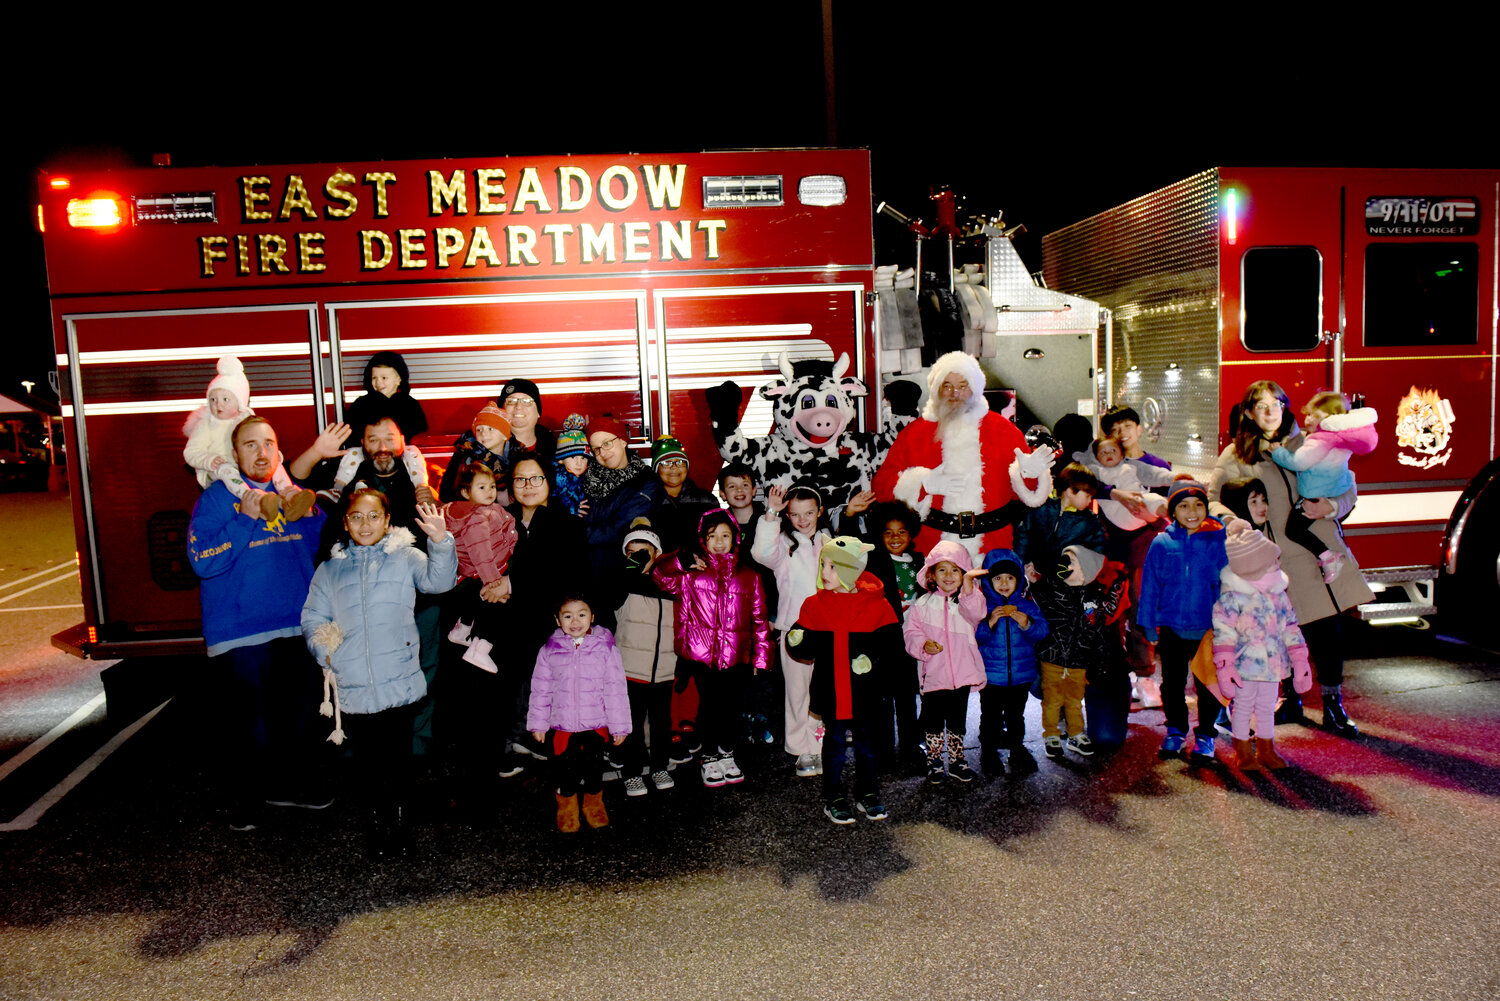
(358, 617)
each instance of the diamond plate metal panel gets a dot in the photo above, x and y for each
(1154, 262)
(1010, 284)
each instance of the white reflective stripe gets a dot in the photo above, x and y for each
(286, 350)
(181, 406)
(1384, 509)
(754, 330)
(499, 339)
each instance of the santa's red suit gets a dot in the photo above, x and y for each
(978, 467)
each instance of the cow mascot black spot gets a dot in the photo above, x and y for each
(812, 444)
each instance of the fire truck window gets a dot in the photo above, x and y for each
(1281, 298)
(1421, 293)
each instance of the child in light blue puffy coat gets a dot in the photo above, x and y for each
(359, 625)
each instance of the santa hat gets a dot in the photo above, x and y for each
(848, 556)
(231, 379)
(955, 363)
(607, 425)
(493, 417)
(1251, 555)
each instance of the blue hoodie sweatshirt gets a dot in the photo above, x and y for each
(1009, 651)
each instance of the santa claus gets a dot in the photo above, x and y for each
(965, 470)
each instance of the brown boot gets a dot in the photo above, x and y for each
(298, 504)
(567, 814)
(593, 810)
(1245, 751)
(1268, 756)
(270, 504)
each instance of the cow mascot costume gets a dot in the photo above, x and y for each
(812, 445)
(964, 469)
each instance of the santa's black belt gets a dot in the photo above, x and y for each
(967, 524)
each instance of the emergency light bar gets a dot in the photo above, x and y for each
(822, 189)
(94, 213)
(736, 192)
(194, 206)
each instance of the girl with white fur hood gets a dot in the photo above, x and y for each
(210, 448)
(1256, 642)
(359, 625)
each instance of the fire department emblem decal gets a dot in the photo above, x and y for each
(1424, 424)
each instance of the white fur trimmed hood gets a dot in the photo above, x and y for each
(397, 538)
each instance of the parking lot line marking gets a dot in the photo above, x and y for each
(42, 608)
(72, 574)
(22, 580)
(53, 796)
(36, 747)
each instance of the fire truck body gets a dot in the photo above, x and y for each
(1381, 284)
(622, 285)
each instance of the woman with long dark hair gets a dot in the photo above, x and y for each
(1266, 418)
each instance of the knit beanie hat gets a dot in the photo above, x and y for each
(607, 425)
(231, 378)
(666, 447)
(493, 417)
(848, 555)
(1251, 555)
(1180, 491)
(571, 440)
(1089, 563)
(1007, 565)
(524, 387)
(641, 531)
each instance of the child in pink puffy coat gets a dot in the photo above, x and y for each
(721, 634)
(1256, 642)
(486, 536)
(939, 632)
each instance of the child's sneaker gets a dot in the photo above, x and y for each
(679, 755)
(959, 769)
(635, 786)
(1149, 691)
(713, 775)
(935, 772)
(1331, 563)
(732, 773)
(1171, 747)
(1081, 744)
(871, 807)
(662, 780)
(809, 765)
(462, 633)
(838, 811)
(1203, 750)
(1053, 746)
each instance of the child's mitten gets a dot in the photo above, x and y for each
(1230, 682)
(1301, 669)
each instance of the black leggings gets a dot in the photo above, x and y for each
(1299, 530)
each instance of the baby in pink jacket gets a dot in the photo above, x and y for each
(939, 632)
(486, 536)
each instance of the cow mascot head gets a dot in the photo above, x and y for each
(813, 443)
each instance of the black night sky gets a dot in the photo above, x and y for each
(1049, 117)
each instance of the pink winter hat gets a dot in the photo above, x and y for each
(1251, 555)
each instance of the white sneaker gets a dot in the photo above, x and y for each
(1081, 744)
(732, 773)
(635, 786)
(1149, 691)
(809, 765)
(461, 633)
(662, 780)
(478, 654)
(713, 775)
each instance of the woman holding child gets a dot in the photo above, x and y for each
(1266, 419)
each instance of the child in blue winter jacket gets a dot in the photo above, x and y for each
(1179, 585)
(359, 624)
(1007, 639)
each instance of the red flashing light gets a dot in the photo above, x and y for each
(59, 183)
(100, 212)
(41, 222)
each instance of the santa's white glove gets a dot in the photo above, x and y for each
(940, 481)
(1034, 464)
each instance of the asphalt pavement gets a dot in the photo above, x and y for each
(1366, 871)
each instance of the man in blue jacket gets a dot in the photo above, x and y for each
(255, 576)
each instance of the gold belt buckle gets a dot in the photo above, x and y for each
(966, 524)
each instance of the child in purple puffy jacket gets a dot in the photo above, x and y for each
(721, 634)
(578, 693)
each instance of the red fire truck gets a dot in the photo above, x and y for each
(1383, 284)
(619, 284)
